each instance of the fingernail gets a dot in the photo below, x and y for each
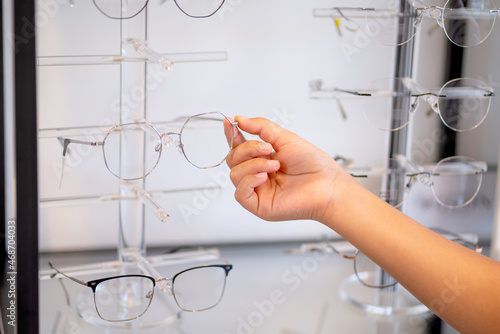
(273, 163)
(265, 147)
(241, 118)
(261, 175)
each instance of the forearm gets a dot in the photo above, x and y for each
(459, 285)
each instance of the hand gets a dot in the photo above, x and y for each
(295, 181)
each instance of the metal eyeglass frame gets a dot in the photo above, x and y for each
(419, 10)
(426, 178)
(449, 235)
(66, 141)
(163, 283)
(432, 99)
(438, 13)
(146, 3)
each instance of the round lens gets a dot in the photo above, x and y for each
(123, 298)
(120, 9)
(391, 105)
(199, 8)
(203, 140)
(468, 23)
(456, 181)
(464, 103)
(199, 288)
(132, 151)
(388, 24)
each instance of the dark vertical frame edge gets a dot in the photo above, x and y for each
(26, 167)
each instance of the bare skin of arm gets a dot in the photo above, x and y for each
(284, 177)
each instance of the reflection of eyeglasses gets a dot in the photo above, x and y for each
(364, 268)
(127, 297)
(454, 181)
(126, 9)
(466, 23)
(202, 141)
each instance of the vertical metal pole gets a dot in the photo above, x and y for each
(397, 140)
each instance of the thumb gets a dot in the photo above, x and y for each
(268, 131)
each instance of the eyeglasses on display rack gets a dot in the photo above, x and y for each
(201, 140)
(128, 297)
(363, 266)
(127, 9)
(462, 104)
(465, 23)
(454, 181)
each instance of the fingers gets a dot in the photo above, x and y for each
(248, 150)
(252, 168)
(269, 131)
(245, 191)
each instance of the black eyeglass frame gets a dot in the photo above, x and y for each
(94, 283)
(146, 3)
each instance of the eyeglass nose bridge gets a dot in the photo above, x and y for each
(164, 284)
(167, 140)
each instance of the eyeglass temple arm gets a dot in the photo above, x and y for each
(66, 141)
(76, 280)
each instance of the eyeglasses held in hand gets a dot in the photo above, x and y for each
(127, 9)
(364, 267)
(127, 297)
(202, 140)
(462, 104)
(454, 181)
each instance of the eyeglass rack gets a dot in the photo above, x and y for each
(394, 300)
(134, 58)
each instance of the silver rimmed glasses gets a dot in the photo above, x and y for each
(128, 297)
(201, 140)
(365, 269)
(126, 9)
(462, 104)
(454, 181)
(465, 23)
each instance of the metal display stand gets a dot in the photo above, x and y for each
(392, 301)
